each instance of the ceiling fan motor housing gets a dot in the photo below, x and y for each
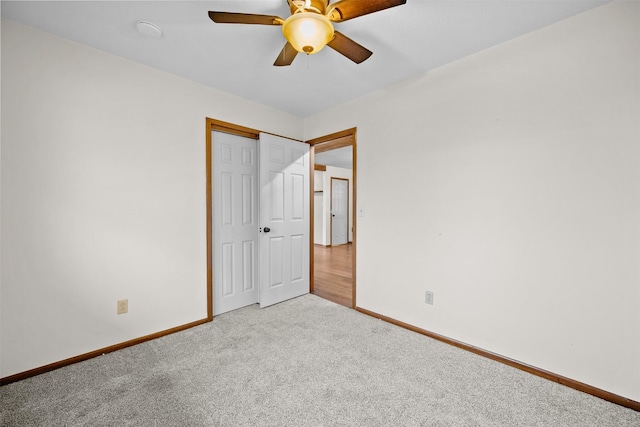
(319, 6)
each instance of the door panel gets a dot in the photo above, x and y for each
(276, 196)
(297, 259)
(297, 197)
(284, 210)
(276, 261)
(339, 211)
(226, 269)
(248, 200)
(235, 227)
(249, 266)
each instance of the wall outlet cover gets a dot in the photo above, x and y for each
(428, 297)
(123, 306)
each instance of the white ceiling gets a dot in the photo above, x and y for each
(406, 41)
(339, 157)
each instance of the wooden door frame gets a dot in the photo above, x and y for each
(332, 141)
(233, 129)
(345, 138)
(331, 207)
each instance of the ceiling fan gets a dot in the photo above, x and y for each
(310, 26)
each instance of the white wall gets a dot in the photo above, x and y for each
(508, 183)
(103, 196)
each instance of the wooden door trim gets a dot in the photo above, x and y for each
(344, 138)
(348, 136)
(226, 127)
(234, 129)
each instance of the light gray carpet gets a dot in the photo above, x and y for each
(305, 362)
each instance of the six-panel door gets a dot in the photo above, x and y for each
(235, 222)
(284, 210)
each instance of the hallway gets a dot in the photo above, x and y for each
(332, 273)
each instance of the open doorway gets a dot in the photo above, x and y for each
(334, 220)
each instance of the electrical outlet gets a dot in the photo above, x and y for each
(123, 306)
(428, 297)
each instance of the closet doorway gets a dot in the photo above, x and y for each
(334, 253)
(258, 217)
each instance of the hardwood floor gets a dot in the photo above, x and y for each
(332, 273)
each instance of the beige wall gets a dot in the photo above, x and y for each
(103, 196)
(508, 183)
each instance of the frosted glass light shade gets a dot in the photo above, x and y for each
(308, 32)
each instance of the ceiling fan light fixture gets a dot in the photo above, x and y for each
(308, 32)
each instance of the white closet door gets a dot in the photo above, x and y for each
(235, 222)
(339, 211)
(284, 219)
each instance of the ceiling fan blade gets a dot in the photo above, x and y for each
(343, 10)
(352, 50)
(287, 55)
(244, 18)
